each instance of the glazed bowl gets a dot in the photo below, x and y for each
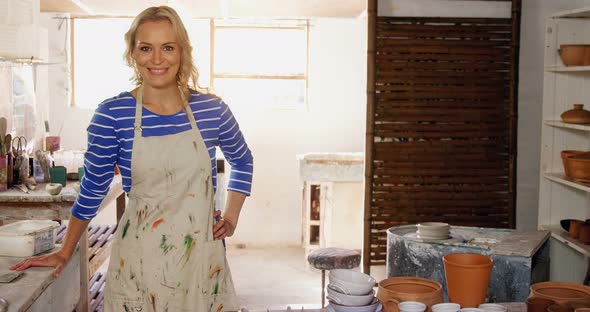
(351, 282)
(411, 306)
(349, 300)
(374, 306)
(493, 307)
(446, 307)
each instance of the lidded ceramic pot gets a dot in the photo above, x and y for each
(578, 115)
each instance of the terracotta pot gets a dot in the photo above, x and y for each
(560, 292)
(584, 235)
(574, 54)
(560, 307)
(536, 304)
(579, 167)
(565, 155)
(575, 226)
(467, 276)
(578, 115)
(396, 289)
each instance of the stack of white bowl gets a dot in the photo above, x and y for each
(351, 291)
(433, 231)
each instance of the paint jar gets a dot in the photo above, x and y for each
(53, 143)
(58, 175)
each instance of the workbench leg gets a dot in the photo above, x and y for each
(120, 206)
(84, 278)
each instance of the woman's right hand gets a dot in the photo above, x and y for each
(56, 259)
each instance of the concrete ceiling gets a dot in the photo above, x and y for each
(215, 8)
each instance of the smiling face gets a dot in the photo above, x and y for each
(157, 54)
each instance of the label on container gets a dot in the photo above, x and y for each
(43, 242)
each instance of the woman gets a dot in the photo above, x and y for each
(168, 253)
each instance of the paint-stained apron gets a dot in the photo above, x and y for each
(164, 257)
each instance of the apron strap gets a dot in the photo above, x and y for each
(138, 111)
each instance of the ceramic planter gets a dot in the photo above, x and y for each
(536, 304)
(467, 277)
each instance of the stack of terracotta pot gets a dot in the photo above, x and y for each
(558, 297)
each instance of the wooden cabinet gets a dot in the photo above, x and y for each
(561, 197)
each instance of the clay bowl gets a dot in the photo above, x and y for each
(560, 307)
(536, 304)
(565, 155)
(397, 289)
(565, 223)
(579, 167)
(433, 230)
(560, 292)
(574, 54)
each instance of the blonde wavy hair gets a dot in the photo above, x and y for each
(187, 76)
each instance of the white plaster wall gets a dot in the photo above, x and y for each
(530, 102)
(335, 122)
(347, 215)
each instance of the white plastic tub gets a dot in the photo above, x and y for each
(27, 238)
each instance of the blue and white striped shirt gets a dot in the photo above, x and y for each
(110, 142)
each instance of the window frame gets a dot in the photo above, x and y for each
(303, 25)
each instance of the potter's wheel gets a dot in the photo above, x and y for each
(453, 238)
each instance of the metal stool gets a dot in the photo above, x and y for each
(330, 259)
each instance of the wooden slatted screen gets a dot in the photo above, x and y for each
(443, 125)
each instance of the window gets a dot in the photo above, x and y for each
(261, 64)
(254, 64)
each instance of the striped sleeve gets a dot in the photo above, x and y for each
(236, 152)
(99, 162)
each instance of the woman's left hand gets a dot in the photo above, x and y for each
(222, 228)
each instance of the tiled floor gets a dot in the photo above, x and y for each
(276, 278)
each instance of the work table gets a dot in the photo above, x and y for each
(40, 205)
(37, 289)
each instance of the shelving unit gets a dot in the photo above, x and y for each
(561, 197)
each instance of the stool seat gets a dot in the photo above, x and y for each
(334, 258)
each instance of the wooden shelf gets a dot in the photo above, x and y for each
(576, 13)
(561, 124)
(559, 234)
(568, 69)
(562, 179)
